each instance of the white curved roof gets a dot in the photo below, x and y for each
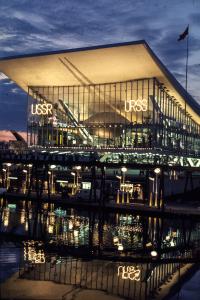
(93, 65)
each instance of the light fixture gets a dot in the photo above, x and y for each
(50, 228)
(75, 233)
(157, 170)
(115, 240)
(25, 171)
(62, 181)
(73, 174)
(120, 247)
(30, 165)
(123, 169)
(4, 170)
(70, 225)
(119, 177)
(78, 167)
(8, 164)
(154, 253)
(52, 166)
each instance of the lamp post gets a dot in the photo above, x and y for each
(124, 170)
(4, 177)
(7, 175)
(52, 167)
(74, 184)
(118, 193)
(120, 247)
(25, 172)
(120, 181)
(29, 174)
(157, 172)
(77, 168)
(151, 193)
(154, 253)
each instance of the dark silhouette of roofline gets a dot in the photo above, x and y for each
(18, 136)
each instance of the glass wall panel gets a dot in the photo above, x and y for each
(133, 114)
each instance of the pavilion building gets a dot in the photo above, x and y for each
(112, 97)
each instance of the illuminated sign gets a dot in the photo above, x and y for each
(86, 185)
(129, 272)
(136, 105)
(41, 109)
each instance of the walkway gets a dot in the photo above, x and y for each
(23, 289)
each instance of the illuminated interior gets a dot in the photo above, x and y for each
(112, 96)
(132, 114)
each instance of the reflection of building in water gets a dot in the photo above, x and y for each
(22, 216)
(51, 222)
(5, 216)
(129, 272)
(33, 252)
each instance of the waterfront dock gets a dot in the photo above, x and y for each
(171, 210)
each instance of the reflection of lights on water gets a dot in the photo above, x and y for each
(167, 238)
(76, 233)
(129, 272)
(157, 170)
(124, 169)
(172, 244)
(174, 234)
(32, 254)
(52, 167)
(51, 218)
(50, 228)
(45, 205)
(115, 240)
(6, 214)
(12, 206)
(5, 221)
(129, 228)
(22, 216)
(154, 253)
(78, 223)
(26, 225)
(60, 212)
(120, 247)
(70, 225)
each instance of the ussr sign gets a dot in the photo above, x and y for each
(42, 109)
(136, 105)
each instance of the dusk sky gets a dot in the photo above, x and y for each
(31, 26)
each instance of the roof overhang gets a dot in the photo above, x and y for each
(93, 65)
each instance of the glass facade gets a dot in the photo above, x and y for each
(136, 114)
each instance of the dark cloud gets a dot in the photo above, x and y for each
(13, 106)
(195, 69)
(195, 18)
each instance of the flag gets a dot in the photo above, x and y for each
(184, 34)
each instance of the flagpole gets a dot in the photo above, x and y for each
(186, 68)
